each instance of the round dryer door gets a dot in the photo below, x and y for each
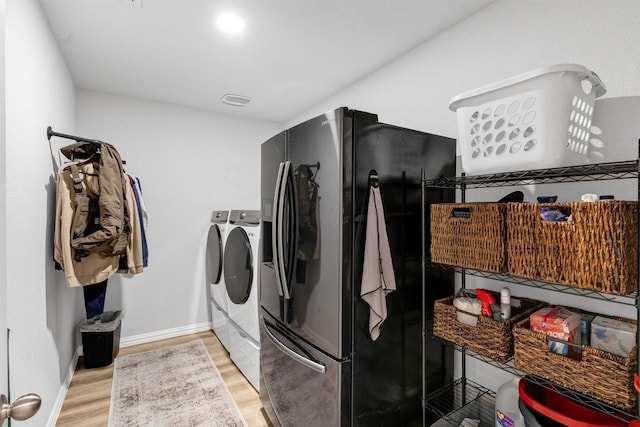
(214, 255)
(238, 266)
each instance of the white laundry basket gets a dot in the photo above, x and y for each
(535, 120)
(615, 131)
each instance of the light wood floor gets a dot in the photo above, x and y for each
(89, 395)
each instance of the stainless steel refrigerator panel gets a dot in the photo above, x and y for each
(272, 155)
(314, 149)
(300, 385)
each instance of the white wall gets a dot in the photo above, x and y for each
(507, 38)
(42, 312)
(3, 217)
(190, 162)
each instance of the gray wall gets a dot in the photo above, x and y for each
(42, 312)
(190, 162)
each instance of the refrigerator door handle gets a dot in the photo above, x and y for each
(292, 233)
(274, 229)
(311, 364)
(280, 238)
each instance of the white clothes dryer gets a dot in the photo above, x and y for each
(241, 267)
(214, 266)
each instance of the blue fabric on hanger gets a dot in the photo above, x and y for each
(138, 194)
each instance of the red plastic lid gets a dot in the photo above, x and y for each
(562, 409)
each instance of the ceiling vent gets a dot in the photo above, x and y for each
(235, 100)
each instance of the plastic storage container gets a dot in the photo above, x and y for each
(101, 339)
(615, 129)
(543, 404)
(507, 410)
(534, 120)
(535, 419)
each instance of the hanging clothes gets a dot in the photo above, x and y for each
(94, 296)
(145, 214)
(88, 241)
(133, 261)
(109, 232)
(378, 279)
(94, 267)
(142, 217)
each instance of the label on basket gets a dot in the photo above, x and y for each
(461, 213)
(503, 420)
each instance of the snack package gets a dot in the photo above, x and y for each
(560, 323)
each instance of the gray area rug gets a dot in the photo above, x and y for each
(172, 386)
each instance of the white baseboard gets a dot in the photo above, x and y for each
(62, 393)
(167, 333)
(124, 342)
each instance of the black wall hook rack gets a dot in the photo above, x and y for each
(51, 133)
(373, 178)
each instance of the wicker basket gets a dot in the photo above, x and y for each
(471, 235)
(596, 250)
(599, 374)
(491, 338)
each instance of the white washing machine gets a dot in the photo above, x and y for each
(241, 267)
(214, 265)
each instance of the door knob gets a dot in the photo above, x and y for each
(22, 409)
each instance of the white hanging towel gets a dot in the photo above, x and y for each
(378, 279)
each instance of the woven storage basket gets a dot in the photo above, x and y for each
(596, 250)
(599, 374)
(491, 338)
(477, 241)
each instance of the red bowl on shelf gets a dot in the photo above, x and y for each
(564, 410)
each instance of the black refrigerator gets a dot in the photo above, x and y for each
(319, 364)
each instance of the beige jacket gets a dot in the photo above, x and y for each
(95, 267)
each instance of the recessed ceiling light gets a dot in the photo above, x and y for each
(230, 23)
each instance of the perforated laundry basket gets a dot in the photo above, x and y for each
(535, 120)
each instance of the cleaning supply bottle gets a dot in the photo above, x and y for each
(507, 412)
(487, 299)
(505, 304)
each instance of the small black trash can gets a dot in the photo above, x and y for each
(101, 339)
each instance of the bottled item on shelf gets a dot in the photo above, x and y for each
(505, 304)
(486, 299)
(506, 409)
